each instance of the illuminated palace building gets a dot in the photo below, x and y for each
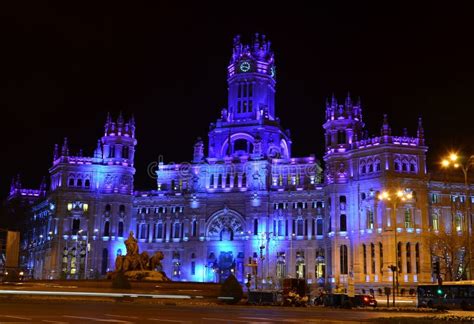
(245, 200)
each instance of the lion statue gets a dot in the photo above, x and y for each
(155, 260)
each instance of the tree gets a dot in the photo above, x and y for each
(450, 249)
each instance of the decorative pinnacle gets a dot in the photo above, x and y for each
(385, 131)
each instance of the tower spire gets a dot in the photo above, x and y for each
(385, 130)
(65, 148)
(55, 152)
(420, 132)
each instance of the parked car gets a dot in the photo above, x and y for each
(364, 300)
(344, 301)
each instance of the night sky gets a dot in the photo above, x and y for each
(63, 68)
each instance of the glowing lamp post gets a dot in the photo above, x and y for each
(464, 164)
(394, 199)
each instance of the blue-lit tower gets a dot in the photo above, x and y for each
(87, 211)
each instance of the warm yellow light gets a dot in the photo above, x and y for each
(85, 207)
(456, 165)
(69, 206)
(445, 163)
(409, 196)
(453, 157)
(399, 193)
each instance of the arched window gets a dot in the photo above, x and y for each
(343, 219)
(79, 182)
(219, 181)
(71, 182)
(408, 256)
(107, 228)
(120, 229)
(76, 223)
(377, 165)
(122, 209)
(87, 183)
(404, 166)
(236, 180)
(240, 145)
(396, 165)
(412, 167)
(371, 168)
(343, 259)
(108, 208)
(211, 181)
(363, 169)
(227, 180)
(105, 261)
(342, 202)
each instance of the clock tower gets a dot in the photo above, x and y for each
(251, 79)
(248, 126)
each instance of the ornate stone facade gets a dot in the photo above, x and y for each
(248, 200)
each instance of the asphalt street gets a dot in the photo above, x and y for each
(122, 312)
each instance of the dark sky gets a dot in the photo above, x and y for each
(62, 67)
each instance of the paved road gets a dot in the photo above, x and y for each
(88, 312)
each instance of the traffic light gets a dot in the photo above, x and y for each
(439, 291)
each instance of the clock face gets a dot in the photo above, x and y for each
(244, 66)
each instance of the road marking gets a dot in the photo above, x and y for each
(18, 317)
(121, 316)
(167, 320)
(226, 320)
(97, 319)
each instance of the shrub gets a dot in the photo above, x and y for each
(120, 281)
(232, 288)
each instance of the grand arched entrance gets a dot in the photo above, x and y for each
(225, 230)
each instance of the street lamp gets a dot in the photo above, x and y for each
(394, 198)
(464, 164)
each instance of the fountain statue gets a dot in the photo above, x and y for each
(138, 266)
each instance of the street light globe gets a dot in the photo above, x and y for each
(400, 193)
(453, 157)
(445, 163)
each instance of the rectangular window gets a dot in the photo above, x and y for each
(239, 108)
(239, 91)
(244, 103)
(434, 198)
(194, 228)
(250, 90)
(255, 226)
(245, 91)
(250, 105)
(193, 268)
(281, 228)
(319, 226)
